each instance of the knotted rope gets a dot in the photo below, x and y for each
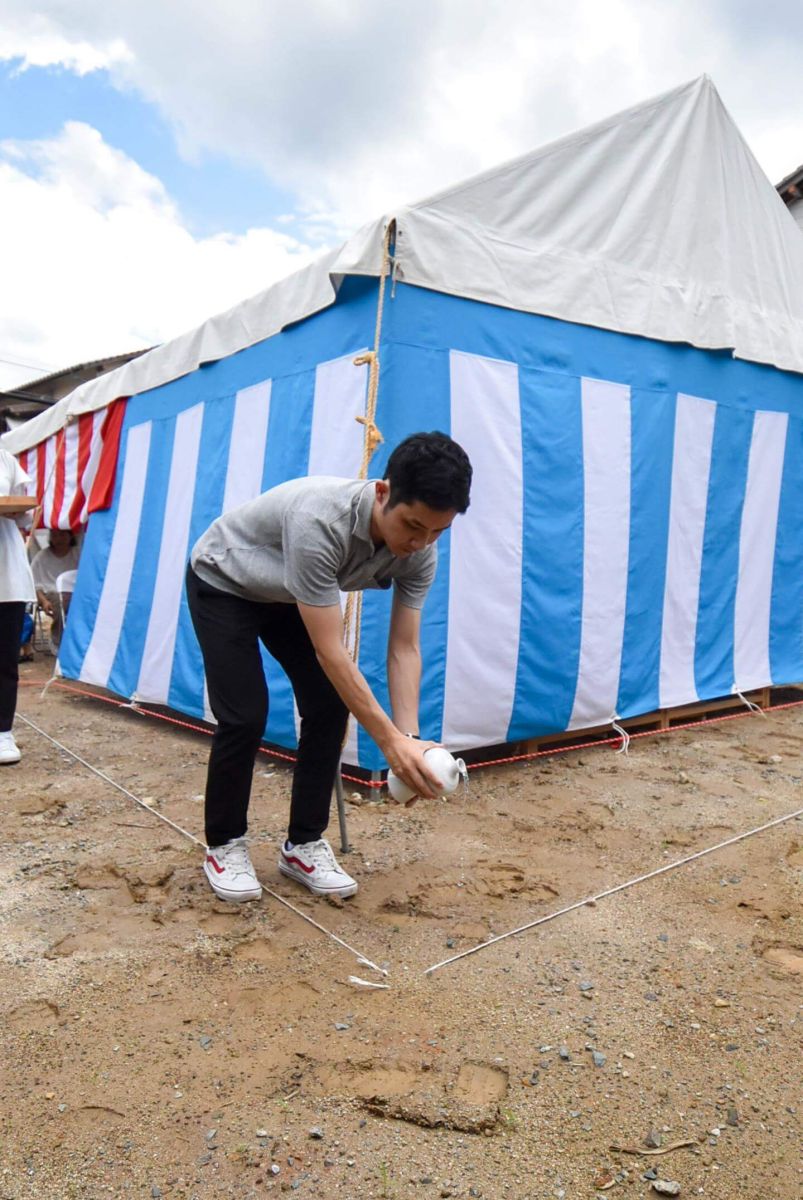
(352, 618)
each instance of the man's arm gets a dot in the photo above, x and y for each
(404, 665)
(405, 756)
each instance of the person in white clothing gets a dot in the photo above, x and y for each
(16, 590)
(60, 555)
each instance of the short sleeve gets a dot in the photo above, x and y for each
(37, 569)
(412, 585)
(13, 479)
(21, 481)
(312, 556)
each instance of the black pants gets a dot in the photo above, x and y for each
(229, 631)
(11, 618)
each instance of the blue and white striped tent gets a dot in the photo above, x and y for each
(634, 538)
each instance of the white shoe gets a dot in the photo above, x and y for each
(9, 750)
(230, 872)
(314, 865)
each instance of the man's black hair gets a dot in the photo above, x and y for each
(432, 468)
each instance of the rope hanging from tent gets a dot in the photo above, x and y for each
(352, 618)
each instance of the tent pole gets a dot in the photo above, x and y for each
(345, 848)
(352, 617)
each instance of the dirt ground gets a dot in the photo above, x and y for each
(158, 1043)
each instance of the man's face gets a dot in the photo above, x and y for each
(406, 528)
(60, 540)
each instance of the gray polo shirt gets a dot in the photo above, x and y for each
(308, 540)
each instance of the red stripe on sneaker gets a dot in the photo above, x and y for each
(299, 863)
(215, 864)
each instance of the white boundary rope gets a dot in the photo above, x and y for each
(361, 959)
(756, 708)
(366, 962)
(740, 837)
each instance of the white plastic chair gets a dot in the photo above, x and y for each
(65, 586)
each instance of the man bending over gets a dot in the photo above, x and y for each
(271, 571)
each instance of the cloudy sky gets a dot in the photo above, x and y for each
(160, 161)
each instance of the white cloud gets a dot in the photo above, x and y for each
(36, 41)
(100, 260)
(353, 106)
(359, 106)
(84, 168)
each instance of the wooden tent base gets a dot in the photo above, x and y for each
(661, 719)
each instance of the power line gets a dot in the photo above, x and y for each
(16, 362)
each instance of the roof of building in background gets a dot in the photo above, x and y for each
(19, 404)
(791, 188)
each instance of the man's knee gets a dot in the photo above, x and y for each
(326, 712)
(242, 730)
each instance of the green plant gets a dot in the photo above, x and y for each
(508, 1118)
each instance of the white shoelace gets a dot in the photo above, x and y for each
(237, 859)
(321, 854)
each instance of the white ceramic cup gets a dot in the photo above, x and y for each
(448, 770)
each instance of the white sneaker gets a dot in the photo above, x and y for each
(230, 872)
(9, 750)
(314, 865)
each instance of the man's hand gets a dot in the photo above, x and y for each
(406, 760)
(405, 755)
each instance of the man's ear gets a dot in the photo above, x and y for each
(382, 490)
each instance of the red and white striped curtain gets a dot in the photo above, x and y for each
(72, 473)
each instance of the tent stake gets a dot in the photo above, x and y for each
(345, 848)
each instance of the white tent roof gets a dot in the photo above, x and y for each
(657, 221)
